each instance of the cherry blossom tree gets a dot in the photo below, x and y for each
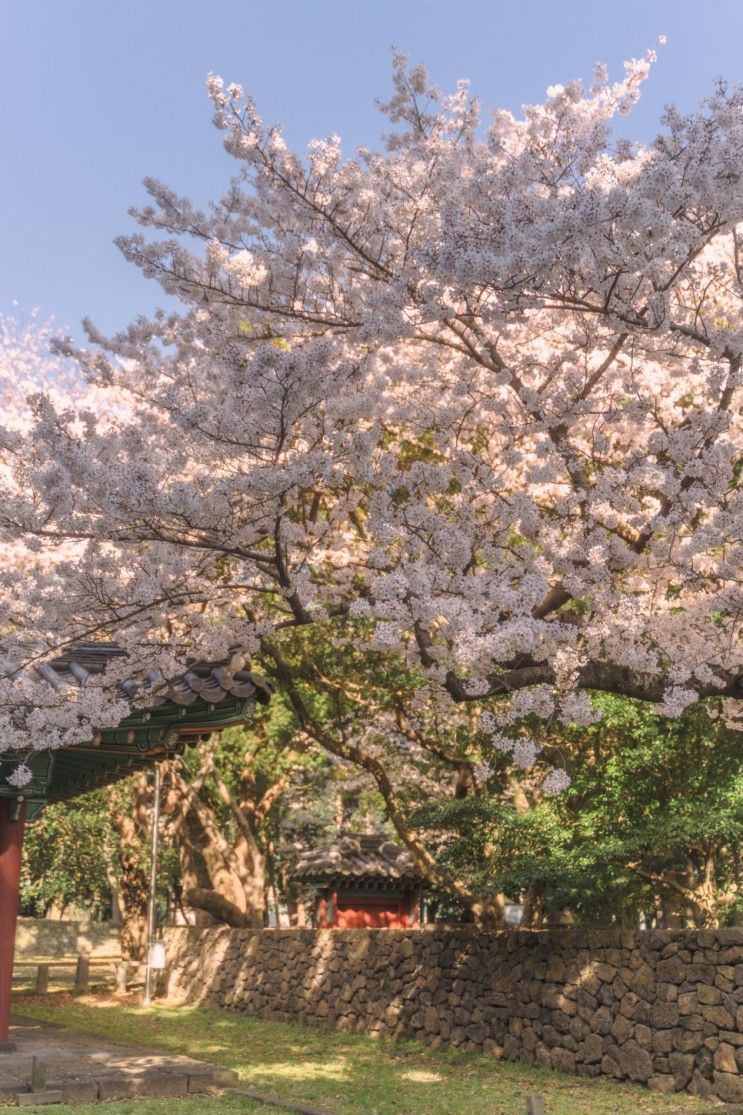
(473, 398)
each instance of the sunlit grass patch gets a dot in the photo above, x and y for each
(348, 1074)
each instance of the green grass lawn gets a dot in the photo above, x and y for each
(349, 1074)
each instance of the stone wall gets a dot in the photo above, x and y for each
(39, 937)
(663, 1008)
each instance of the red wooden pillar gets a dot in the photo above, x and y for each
(12, 818)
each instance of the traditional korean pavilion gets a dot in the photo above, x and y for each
(362, 882)
(203, 700)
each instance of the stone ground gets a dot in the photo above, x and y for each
(86, 1068)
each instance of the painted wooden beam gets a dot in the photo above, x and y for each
(12, 823)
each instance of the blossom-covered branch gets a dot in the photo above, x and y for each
(474, 397)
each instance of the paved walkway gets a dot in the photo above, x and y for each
(84, 1067)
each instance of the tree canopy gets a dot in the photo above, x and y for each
(472, 398)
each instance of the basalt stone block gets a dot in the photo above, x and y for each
(688, 1041)
(477, 1032)
(662, 1083)
(731, 955)
(664, 1015)
(630, 1006)
(492, 1048)
(672, 970)
(687, 1002)
(563, 1059)
(621, 1029)
(602, 1021)
(592, 1049)
(728, 1087)
(643, 1035)
(724, 1058)
(610, 1067)
(511, 1047)
(585, 998)
(662, 1042)
(543, 1056)
(703, 1061)
(682, 1067)
(635, 1062)
(700, 1085)
(719, 1017)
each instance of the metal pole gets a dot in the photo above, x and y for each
(151, 911)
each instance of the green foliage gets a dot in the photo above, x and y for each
(655, 805)
(71, 857)
(68, 854)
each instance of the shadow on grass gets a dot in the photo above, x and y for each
(350, 1074)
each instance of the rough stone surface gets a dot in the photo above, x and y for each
(663, 1008)
(39, 937)
(82, 1068)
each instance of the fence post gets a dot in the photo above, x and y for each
(534, 1105)
(82, 974)
(42, 979)
(122, 976)
(38, 1074)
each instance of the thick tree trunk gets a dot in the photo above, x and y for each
(132, 823)
(490, 913)
(220, 876)
(672, 915)
(219, 907)
(297, 911)
(691, 898)
(532, 916)
(194, 875)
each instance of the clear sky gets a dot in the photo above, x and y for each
(96, 94)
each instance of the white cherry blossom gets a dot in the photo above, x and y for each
(473, 397)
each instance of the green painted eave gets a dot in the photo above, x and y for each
(145, 737)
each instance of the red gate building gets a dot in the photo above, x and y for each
(363, 881)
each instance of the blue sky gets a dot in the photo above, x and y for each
(96, 94)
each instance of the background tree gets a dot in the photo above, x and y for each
(67, 856)
(650, 826)
(92, 854)
(224, 802)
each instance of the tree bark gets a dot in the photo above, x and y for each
(220, 908)
(224, 875)
(131, 822)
